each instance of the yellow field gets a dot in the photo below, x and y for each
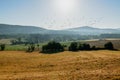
(85, 65)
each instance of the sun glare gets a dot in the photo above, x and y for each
(65, 6)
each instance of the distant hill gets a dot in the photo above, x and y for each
(17, 29)
(85, 30)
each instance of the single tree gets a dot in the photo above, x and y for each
(52, 47)
(73, 46)
(109, 46)
(84, 46)
(2, 46)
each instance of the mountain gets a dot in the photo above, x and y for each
(17, 29)
(85, 30)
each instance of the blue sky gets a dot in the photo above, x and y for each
(61, 14)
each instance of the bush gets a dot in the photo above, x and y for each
(52, 47)
(31, 48)
(109, 46)
(73, 46)
(2, 46)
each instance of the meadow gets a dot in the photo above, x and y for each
(82, 65)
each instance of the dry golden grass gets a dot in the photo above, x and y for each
(85, 65)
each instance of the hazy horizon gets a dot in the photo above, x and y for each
(58, 29)
(61, 14)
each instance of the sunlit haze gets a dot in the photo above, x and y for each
(65, 7)
(61, 14)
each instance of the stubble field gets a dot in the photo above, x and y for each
(82, 65)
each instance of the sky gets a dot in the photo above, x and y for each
(61, 14)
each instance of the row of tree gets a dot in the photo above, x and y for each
(74, 46)
(41, 38)
(53, 47)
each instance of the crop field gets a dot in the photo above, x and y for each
(5, 41)
(82, 65)
(100, 43)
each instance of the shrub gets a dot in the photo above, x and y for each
(31, 48)
(109, 46)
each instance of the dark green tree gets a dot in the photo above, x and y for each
(93, 48)
(109, 46)
(2, 46)
(52, 47)
(73, 46)
(84, 46)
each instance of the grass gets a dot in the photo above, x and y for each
(21, 47)
(83, 65)
(15, 47)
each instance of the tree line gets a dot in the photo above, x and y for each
(40, 38)
(74, 46)
(54, 47)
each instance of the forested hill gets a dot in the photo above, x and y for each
(17, 29)
(85, 30)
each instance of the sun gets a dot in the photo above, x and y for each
(65, 6)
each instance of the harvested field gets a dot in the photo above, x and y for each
(83, 65)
